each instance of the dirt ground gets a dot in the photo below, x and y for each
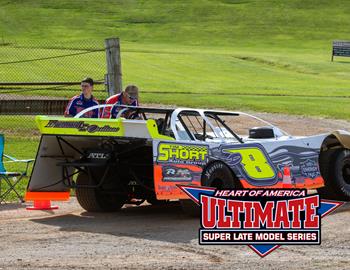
(153, 237)
(302, 125)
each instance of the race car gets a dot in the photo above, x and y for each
(111, 162)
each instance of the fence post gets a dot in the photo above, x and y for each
(114, 70)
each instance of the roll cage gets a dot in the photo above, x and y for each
(185, 123)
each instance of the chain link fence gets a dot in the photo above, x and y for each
(43, 76)
(40, 78)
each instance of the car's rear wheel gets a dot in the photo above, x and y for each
(335, 170)
(94, 199)
(216, 175)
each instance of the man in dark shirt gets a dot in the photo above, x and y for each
(83, 101)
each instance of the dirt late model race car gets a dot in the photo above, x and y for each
(111, 162)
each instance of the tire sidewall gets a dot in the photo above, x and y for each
(341, 158)
(92, 200)
(218, 171)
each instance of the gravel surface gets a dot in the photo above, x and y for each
(148, 237)
(151, 237)
(302, 125)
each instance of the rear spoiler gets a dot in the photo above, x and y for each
(120, 127)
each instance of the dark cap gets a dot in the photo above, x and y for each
(88, 80)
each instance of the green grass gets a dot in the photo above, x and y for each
(231, 79)
(21, 141)
(336, 107)
(18, 125)
(247, 23)
(20, 148)
(271, 56)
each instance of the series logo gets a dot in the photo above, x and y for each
(263, 219)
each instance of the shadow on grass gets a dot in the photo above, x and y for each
(161, 223)
(341, 61)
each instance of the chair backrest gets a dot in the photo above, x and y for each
(2, 145)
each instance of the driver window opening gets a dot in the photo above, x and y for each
(220, 127)
(192, 126)
(239, 126)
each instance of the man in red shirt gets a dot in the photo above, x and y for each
(128, 97)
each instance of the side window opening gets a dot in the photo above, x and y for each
(220, 127)
(192, 124)
(222, 124)
(196, 128)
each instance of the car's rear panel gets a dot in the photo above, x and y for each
(68, 144)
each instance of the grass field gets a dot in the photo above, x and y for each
(293, 82)
(21, 148)
(271, 56)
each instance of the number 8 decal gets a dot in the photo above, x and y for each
(254, 162)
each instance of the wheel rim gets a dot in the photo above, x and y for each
(346, 171)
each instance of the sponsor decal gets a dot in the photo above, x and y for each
(98, 155)
(263, 219)
(171, 173)
(309, 168)
(80, 126)
(162, 188)
(179, 174)
(182, 153)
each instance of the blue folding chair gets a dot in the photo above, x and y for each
(6, 176)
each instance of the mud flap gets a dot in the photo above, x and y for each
(49, 179)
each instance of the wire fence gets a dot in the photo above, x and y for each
(35, 72)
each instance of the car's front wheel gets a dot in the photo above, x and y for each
(217, 175)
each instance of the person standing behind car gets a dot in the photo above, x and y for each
(128, 97)
(83, 101)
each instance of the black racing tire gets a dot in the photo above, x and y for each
(325, 162)
(335, 170)
(217, 175)
(93, 200)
